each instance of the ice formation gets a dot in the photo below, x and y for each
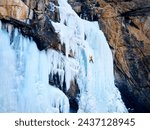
(25, 71)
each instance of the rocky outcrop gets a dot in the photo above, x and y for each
(15, 9)
(126, 24)
(33, 18)
(129, 37)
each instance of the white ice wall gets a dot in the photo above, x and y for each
(24, 72)
(96, 80)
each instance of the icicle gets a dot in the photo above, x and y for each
(8, 97)
(43, 68)
(0, 25)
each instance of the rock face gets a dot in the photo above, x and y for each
(129, 36)
(126, 24)
(32, 17)
(15, 9)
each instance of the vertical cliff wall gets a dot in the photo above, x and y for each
(125, 23)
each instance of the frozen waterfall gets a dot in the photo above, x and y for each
(24, 78)
(25, 71)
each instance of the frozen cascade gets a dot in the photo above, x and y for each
(96, 81)
(24, 78)
(25, 71)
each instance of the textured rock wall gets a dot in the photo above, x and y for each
(129, 37)
(33, 18)
(15, 9)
